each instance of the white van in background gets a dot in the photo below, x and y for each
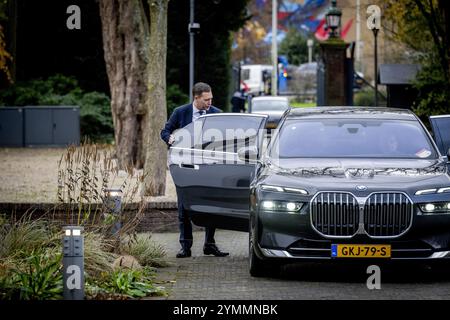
(255, 78)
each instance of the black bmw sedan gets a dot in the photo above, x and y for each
(334, 183)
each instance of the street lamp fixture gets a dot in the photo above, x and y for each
(114, 207)
(333, 18)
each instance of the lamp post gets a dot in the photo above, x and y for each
(114, 207)
(332, 82)
(333, 18)
(374, 24)
(375, 33)
(274, 48)
(193, 28)
(310, 44)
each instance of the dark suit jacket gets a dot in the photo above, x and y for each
(180, 118)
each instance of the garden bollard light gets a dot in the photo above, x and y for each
(114, 207)
(73, 263)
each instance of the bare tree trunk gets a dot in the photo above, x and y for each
(156, 152)
(125, 37)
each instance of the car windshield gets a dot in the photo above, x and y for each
(352, 138)
(269, 105)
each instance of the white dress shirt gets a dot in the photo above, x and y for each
(196, 113)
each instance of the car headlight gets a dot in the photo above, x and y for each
(283, 189)
(435, 207)
(283, 206)
(432, 191)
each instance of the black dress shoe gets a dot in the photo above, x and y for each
(184, 253)
(212, 249)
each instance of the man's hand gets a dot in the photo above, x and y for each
(171, 139)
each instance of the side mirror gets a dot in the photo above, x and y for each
(248, 154)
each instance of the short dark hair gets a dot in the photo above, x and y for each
(199, 88)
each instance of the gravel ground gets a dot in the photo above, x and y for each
(30, 175)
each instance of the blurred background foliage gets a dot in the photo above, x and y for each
(423, 26)
(58, 90)
(52, 49)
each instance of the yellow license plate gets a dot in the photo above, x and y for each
(360, 251)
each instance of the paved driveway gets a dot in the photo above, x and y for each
(204, 277)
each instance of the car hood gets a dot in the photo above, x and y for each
(342, 174)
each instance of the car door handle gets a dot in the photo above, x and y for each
(189, 166)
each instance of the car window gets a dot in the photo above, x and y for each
(353, 138)
(189, 136)
(268, 105)
(245, 74)
(228, 135)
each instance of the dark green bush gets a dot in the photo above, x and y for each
(175, 98)
(95, 110)
(39, 278)
(433, 90)
(364, 98)
(123, 284)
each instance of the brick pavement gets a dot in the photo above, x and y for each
(204, 277)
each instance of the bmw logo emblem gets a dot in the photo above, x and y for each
(361, 188)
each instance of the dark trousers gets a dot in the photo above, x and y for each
(185, 224)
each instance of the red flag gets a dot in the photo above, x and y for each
(321, 34)
(346, 28)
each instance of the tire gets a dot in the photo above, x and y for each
(258, 267)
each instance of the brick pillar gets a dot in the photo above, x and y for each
(333, 55)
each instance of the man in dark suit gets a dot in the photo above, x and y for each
(180, 118)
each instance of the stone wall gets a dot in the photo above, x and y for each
(157, 217)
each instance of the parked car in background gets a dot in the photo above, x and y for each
(272, 106)
(308, 68)
(335, 183)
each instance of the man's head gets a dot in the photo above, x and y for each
(202, 95)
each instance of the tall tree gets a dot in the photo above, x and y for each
(135, 56)
(423, 26)
(5, 56)
(155, 152)
(125, 30)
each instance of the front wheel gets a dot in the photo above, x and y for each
(257, 266)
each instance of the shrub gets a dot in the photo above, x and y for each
(30, 271)
(98, 255)
(84, 175)
(38, 278)
(124, 284)
(364, 98)
(175, 98)
(433, 90)
(145, 250)
(18, 239)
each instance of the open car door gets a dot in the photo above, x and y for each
(441, 132)
(212, 180)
